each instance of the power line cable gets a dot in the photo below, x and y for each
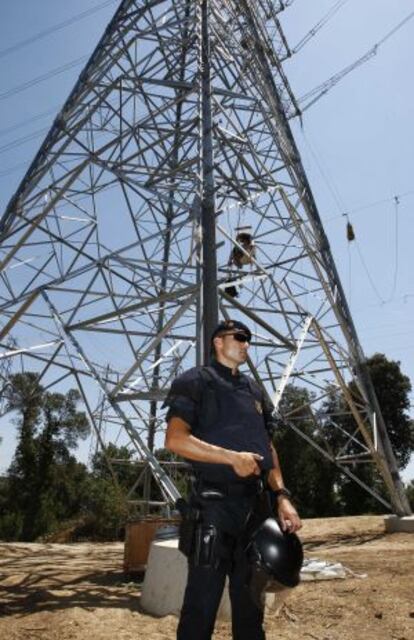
(35, 81)
(370, 279)
(396, 250)
(326, 178)
(371, 205)
(336, 195)
(10, 170)
(349, 274)
(338, 200)
(19, 141)
(396, 261)
(57, 27)
(404, 298)
(318, 92)
(319, 25)
(23, 123)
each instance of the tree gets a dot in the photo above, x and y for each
(104, 509)
(410, 494)
(105, 504)
(309, 476)
(123, 465)
(393, 388)
(40, 479)
(25, 396)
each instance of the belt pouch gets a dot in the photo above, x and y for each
(206, 541)
(187, 531)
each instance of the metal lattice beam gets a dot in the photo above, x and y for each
(123, 235)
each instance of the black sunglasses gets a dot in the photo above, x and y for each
(240, 337)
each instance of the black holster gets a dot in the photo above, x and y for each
(190, 519)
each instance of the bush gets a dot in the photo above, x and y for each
(105, 511)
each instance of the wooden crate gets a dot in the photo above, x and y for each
(139, 535)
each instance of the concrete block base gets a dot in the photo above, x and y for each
(165, 580)
(395, 524)
(166, 577)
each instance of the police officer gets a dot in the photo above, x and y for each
(220, 420)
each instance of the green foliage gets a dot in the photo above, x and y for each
(11, 523)
(310, 477)
(104, 509)
(45, 481)
(354, 499)
(126, 472)
(392, 388)
(319, 487)
(46, 486)
(410, 494)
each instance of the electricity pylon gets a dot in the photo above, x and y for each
(170, 192)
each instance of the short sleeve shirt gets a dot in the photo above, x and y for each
(242, 421)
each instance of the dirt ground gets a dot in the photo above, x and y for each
(78, 591)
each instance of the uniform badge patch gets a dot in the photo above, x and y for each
(258, 406)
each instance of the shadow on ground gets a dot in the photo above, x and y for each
(50, 577)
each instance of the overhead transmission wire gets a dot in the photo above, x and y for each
(371, 205)
(10, 170)
(57, 27)
(35, 81)
(368, 274)
(391, 296)
(365, 266)
(23, 123)
(327, 179)
(396, 249)
(318, 26)
(19, 141)
(318, 92)
(37, 133)
(54, 72)
(339, 203)
(315, 95)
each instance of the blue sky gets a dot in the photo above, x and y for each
(357, 142)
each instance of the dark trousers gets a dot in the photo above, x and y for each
(205, 584)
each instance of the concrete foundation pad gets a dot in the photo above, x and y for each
(395, 524)
(165, 579)
(166, 576)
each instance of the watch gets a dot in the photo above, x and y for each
(282, 492)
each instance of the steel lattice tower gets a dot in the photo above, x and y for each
(170, 192)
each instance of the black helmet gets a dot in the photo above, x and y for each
(274, 556)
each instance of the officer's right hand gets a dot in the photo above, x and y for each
(246, 463)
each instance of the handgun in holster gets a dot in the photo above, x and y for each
(190, 517)
(199, 541)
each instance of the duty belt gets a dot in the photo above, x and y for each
(230, 489)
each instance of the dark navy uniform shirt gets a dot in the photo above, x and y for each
(229, 411)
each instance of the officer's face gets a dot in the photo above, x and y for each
(231, 349)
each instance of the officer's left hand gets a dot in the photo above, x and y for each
(288, 516)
